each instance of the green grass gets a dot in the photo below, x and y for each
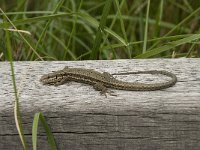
(17, 114)
(81, 30)
(39, 117)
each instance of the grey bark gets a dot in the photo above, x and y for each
(82, 119)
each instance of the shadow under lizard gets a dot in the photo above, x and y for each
(102, 81)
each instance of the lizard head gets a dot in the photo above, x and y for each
(51, 78)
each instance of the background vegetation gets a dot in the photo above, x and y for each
(79, 30)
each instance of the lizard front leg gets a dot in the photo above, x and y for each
(103, 90)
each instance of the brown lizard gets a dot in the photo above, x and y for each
(102, 81)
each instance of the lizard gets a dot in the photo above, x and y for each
(102, 81)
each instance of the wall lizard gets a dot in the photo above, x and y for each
(102, 81)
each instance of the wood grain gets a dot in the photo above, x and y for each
(82, 119)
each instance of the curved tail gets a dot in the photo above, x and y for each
(150, 87)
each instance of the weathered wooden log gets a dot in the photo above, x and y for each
(83, 119)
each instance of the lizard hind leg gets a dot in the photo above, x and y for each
(103, 90)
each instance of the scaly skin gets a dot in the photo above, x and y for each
(102, 81)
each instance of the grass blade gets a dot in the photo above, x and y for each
(39, 117)
(47, 25)
(178, 25)
(169, 46)
(97, 42)
(17, 114)
(22, 37)
(146, 28)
